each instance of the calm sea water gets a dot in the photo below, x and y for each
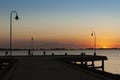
(111, 65)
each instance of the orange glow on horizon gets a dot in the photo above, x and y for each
(104, 47)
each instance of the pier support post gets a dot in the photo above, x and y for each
(81, 62)
(93, 64)
(86, 63)
(103, 65)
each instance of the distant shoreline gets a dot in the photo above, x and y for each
(6, 49)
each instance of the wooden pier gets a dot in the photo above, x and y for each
(50, 68)
(84, 60)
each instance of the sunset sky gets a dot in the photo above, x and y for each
(61, 23)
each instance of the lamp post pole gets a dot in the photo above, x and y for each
(32, 43)
(94, 35)
(16, 17)
(32, 46)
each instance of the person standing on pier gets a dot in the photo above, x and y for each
(44, 53)
(28, 52)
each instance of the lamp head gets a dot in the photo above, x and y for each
(16, 17)
(92, 34)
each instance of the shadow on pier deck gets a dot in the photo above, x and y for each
(48, 68)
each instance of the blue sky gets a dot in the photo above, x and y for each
(61, 22)
(59, 5)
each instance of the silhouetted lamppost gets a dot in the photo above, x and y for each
(32, 46)
(32, 43)
(94, 35)
(16, 17)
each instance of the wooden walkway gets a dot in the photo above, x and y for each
(46, 68)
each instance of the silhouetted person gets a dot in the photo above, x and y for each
(94, 54)
(82, 54)
(65, 54)
(6, 53)
(52, 54)
(44, 53)
(29, 52)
